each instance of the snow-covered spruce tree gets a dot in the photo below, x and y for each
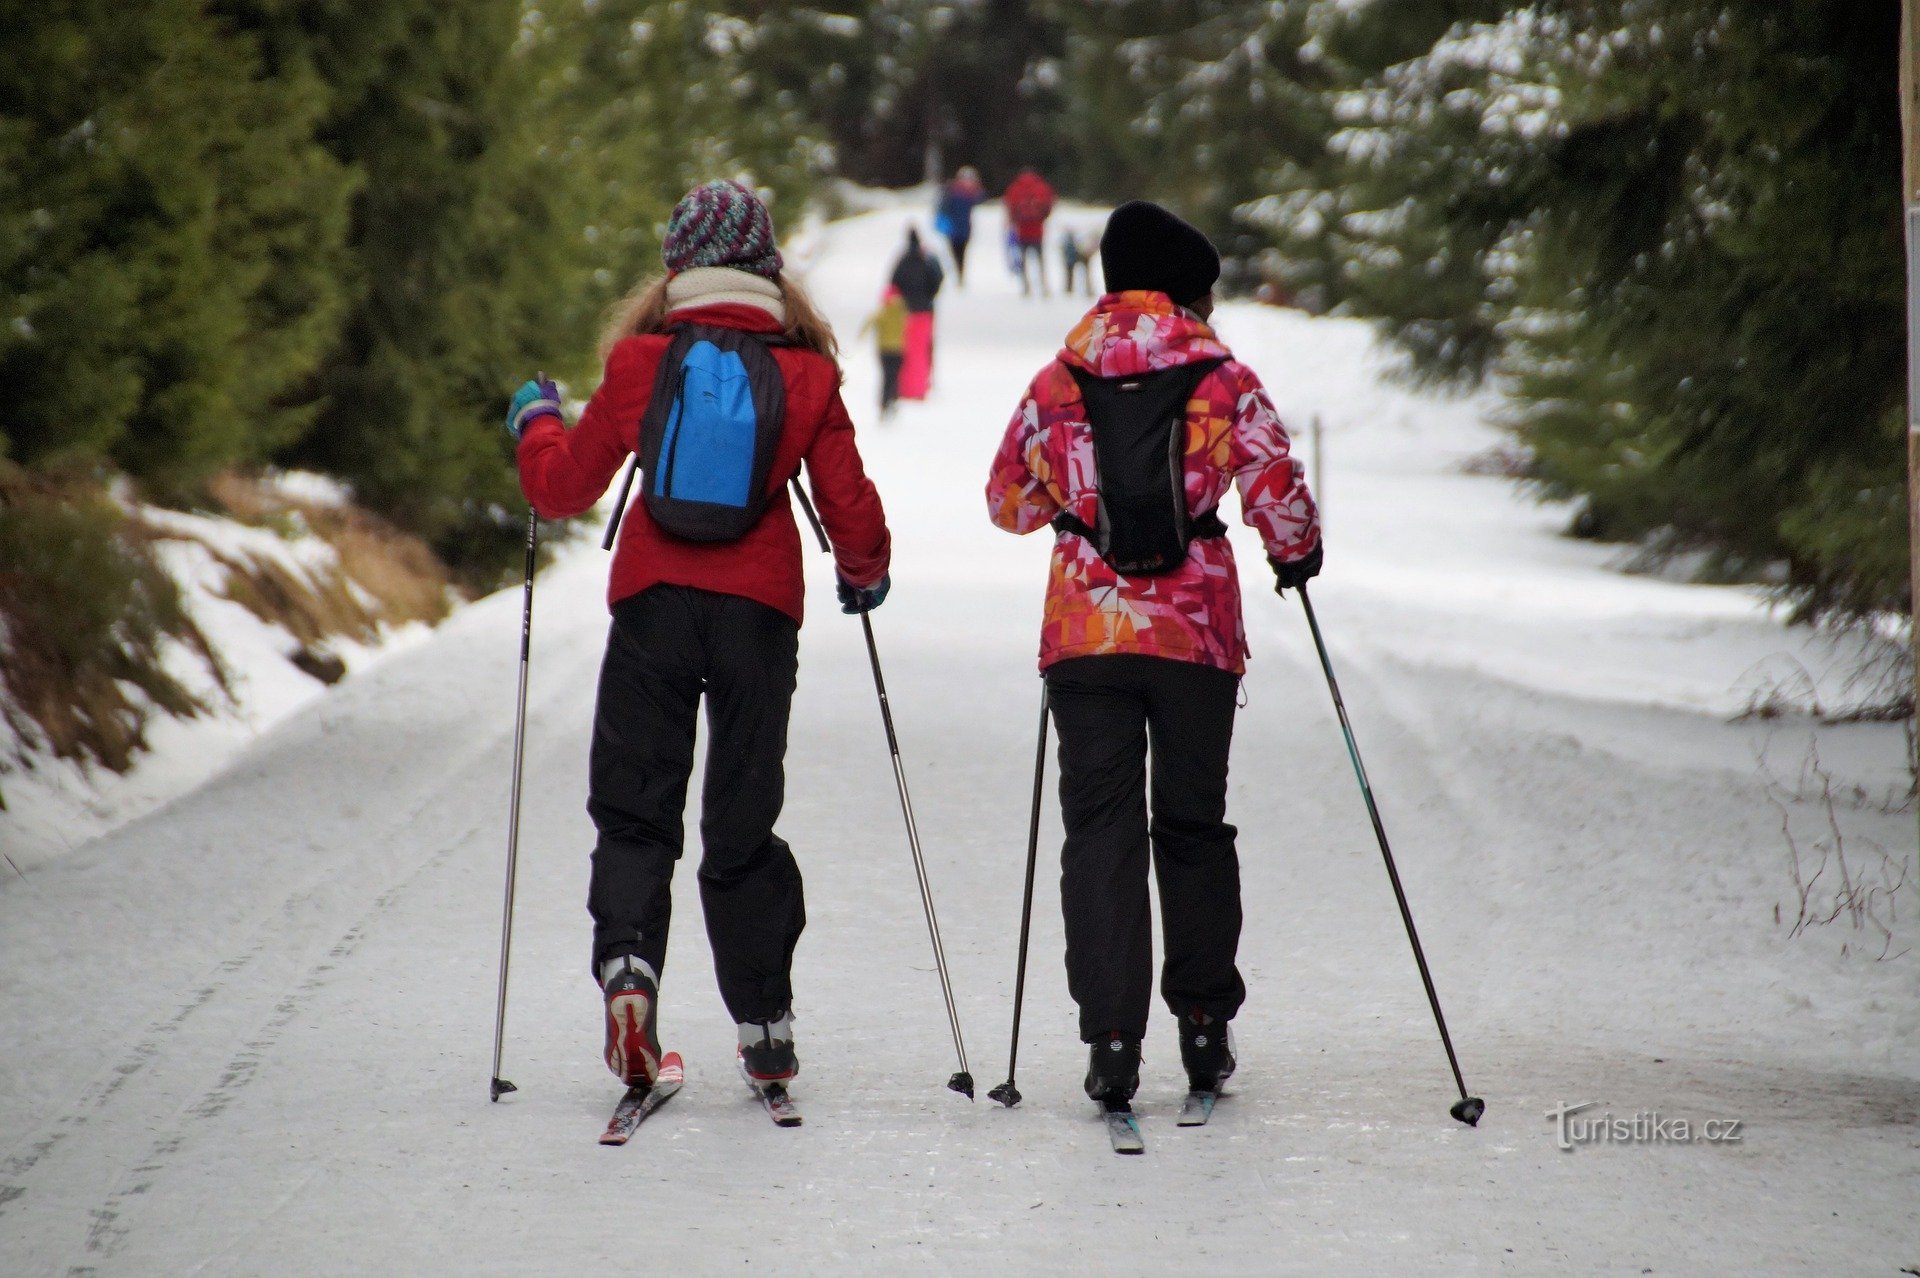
(1671, 227)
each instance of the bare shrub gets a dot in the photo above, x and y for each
(1858, 883)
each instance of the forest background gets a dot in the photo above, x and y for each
(242, 238)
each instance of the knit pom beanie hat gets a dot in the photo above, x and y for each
(1146, 247)
(721, 224)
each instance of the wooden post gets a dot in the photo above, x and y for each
(1910, 197)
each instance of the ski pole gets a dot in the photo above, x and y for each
(620, 505)
(961, 1082)
(1007, 1094)
(501, 1086)
(1468, 1108)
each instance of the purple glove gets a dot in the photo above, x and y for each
(534, 399)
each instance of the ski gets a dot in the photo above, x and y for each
(780, 1106)
(1123, 1129)
(1197, 1108)
(641, 1101)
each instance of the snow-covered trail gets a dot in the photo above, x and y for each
(250, 1034)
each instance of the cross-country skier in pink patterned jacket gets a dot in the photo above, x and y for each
(1128, 659)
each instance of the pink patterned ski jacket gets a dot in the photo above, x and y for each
(1046, 465)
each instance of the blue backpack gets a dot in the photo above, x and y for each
(710, 431)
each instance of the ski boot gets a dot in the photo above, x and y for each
(633, 1038)
(767, 1057)
(1113, 1069)
(1206, 1049)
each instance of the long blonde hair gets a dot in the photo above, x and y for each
(644, 310)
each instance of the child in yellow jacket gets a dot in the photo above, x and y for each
(889, 328)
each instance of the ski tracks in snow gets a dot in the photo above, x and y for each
(183, 1071)
(159, 1086)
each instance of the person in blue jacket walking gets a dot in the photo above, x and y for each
(953, 216)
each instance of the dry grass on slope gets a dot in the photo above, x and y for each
(94, 603)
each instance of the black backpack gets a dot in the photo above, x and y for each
(1139, 449)
(710, 431)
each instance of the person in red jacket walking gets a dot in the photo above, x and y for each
(704, 618)
(1151, 651)
(1029, 203)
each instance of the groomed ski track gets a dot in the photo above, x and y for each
(250, 1034)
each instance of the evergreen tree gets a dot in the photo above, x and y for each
(639, 101)
(1666, 227)
(457, 257)
(974, 82)
(1205, 105)
(167, 237)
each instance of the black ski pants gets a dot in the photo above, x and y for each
(1108, 710)
(958, 243)
(667, 646)
(890, 362)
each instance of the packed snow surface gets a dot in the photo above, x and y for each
(251, 1032)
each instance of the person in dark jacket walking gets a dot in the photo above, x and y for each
(953, 216)
(918, 276)
(704, 619)
(1150, 663)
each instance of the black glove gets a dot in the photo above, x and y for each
(1294, 574)
(857, 599)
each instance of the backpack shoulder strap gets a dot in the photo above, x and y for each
(1208, 522)
(1200, 370)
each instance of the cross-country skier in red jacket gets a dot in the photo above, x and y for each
(1029, 203)
(693, 618)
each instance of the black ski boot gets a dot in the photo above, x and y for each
(1113, 1069)
(766, 1052)
(1206, 1049)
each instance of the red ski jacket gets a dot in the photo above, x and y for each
(564, 472)
(1029, 201)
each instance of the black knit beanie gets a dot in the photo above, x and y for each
(1146, 247)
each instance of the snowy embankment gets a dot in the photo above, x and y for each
(250, 1033)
